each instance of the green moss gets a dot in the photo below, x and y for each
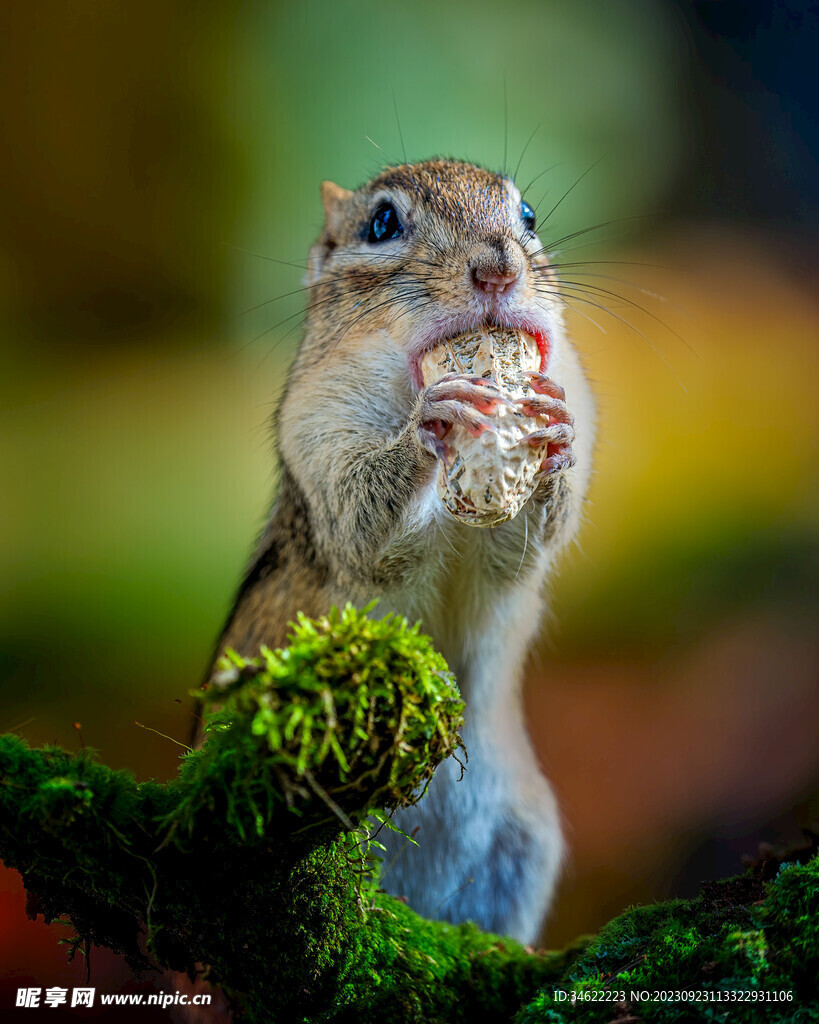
(68, 825)
(416, 970)
(255, 861)
(737, 936)
(251, 860)
(256, 912)
(355, 714)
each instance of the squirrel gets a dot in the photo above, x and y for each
(421, 253)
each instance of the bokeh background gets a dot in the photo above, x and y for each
(158, 192)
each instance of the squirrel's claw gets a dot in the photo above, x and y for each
(558, 435)
(540, 405)
(554, 434)
(477, 391)
(431, 440)
(450, 411)
(467, 401)
(544, 385)
(561, 460)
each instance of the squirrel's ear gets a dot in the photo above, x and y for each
(333, 199)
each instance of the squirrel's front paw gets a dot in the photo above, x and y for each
(556, 438)
(468, 401)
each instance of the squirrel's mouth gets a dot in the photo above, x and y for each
(449, 328)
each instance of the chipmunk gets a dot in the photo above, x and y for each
(421, 253)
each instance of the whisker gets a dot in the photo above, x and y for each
(341, 276)
(537, 177)
(616, 263)
(574, 186)
(367, 312)
(505, 124)
(456, 552)
(597, 290)
(284, 295)
(374, 143)
(554, 244)
(270, 259)
(301, 312)
(401, 137)
(584, 314)
(584, 298)
(523, 154)
(525, 544)
(539, 203)
(648, 292)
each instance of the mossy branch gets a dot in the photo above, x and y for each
(745, 950)
(254, 860)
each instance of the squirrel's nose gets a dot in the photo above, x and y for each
(496, 266)
(491, 281)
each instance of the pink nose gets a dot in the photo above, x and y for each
(487, 281)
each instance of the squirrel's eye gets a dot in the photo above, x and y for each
(385, 224)
(527, 215)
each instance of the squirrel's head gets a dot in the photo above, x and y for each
(425, 252)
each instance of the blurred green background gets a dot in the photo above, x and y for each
(157, 199)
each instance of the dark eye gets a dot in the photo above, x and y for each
(527, 215)
(385, 224)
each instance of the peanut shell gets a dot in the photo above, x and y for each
(486, 480)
